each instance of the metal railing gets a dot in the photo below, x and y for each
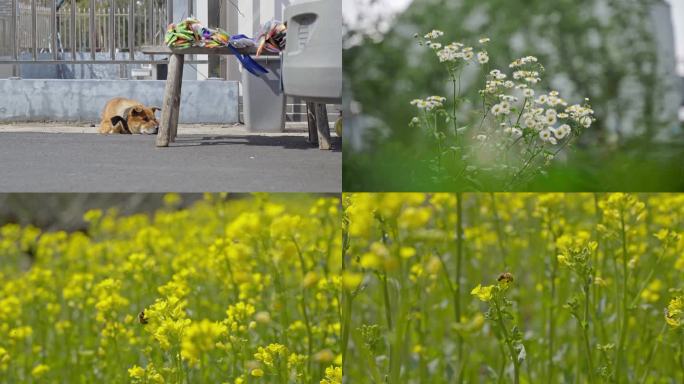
(40, 34)
(149, 29)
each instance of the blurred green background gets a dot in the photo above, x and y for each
(619, 53)
(64, 211)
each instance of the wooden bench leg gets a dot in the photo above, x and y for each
(323, 126)
(171, 104)
(311, 123)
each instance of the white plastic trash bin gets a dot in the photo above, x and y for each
(263, 98)
(312, 65)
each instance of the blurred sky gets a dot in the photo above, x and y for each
(384, 10)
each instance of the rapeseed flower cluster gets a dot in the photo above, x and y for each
(536, 288)
(229, 290)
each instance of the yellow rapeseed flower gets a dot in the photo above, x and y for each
(136, 372)
(674, 315)
(483, 293)
(351, 280)
(271, 354)
(39, 370)
(201, 337)
(333, 375)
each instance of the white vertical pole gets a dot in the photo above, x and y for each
(233, 21)
(246, 23)
(267, 11)
(202, 14)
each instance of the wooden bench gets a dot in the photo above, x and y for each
(319, 129)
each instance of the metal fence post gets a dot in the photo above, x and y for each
(112, 42)
(34, 35)
(131, 35)
(72, 28)
(213, 20)
(91, 30)
(15, 67)
(169, 11)
(53, 29)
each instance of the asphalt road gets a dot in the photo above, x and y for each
(65, 162)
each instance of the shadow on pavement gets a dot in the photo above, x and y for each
(288, 142)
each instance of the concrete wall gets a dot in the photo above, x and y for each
(212, 101)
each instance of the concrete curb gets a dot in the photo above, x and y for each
(183, 129)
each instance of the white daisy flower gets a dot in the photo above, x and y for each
(528, 92)
(586, 121)
(562, 131)
(484, 40)
(482, 57)
(550, 119)
(434, 34)
(516, 133)
(547, 136)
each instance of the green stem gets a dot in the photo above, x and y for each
(453, 117)
(499, 232)
(307, 323)
(507, 341)
(502, 348)
(625, 317)
(309, 335)
(652, 353)
(585, 332)
(347, 304)
(385, 292)
(552, 304)
(459, 265)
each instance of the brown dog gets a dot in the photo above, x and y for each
(128, 116)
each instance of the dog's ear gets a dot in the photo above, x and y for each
(120, 120)
(137, 110)
(155, 109)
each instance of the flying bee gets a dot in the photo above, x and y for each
(141, 317)
(505, 277)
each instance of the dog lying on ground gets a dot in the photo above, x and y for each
(128, 116)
